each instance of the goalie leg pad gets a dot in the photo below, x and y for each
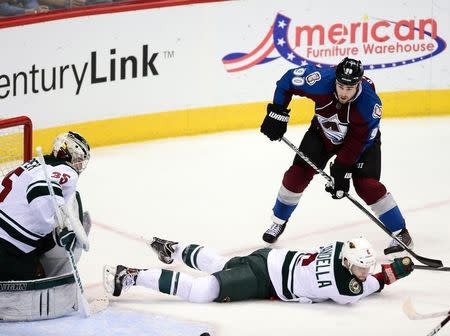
(41, 299)
(76, 216)
(56, 262)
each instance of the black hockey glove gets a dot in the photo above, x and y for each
(341, 177)
(275, 123)
(64, 238)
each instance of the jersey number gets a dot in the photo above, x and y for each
(310, 259)
(63, 178)
(7, 183)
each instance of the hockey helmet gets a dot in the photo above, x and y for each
(358, 252)
(349, 71)
(72, 148)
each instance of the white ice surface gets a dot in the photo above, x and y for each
(218, 190)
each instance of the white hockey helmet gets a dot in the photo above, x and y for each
(358, 252)
(72, 148)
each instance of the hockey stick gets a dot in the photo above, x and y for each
(412, 314)
(428, 268)
(439, 326)
(60, 223)
(423, 260)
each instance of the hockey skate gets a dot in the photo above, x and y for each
(395, 250)
(163, 248)
(272, 234)
(119, 278)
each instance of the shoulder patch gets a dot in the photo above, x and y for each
(299, 71)
(355, 286)
(377, 111)
(298, 81)
(313, 78)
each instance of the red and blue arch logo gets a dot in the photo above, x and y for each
(400, 42)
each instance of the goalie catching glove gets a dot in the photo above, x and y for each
(398, 269)
(275, 123)
(64, 237)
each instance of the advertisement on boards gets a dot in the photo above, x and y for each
(187, 58)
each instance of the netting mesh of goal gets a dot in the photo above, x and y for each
(11, 148)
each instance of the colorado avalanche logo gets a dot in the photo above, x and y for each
(276, 40)
(333, 128)
(376, 111)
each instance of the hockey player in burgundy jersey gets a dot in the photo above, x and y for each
(27, 216)
(346, 123)
(339, 271)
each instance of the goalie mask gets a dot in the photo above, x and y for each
(358, 252)
(72, 148)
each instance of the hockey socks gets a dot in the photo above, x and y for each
(165, 281)
(199, 290)
(203, 289)
(190, 254)
(387, 210)
(285, 205)
(200, 258)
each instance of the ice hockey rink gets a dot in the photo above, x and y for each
(218, 190)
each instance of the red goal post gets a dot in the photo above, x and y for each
(15, 142)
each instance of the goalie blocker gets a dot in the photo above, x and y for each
(41, 299)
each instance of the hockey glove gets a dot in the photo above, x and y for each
(341, 177)
(275, 123)
(398, 269)
(64, 237)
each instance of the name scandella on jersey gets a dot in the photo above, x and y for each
(316, 276)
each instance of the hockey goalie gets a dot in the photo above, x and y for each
(36, 279)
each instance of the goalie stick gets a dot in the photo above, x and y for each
(84, 304)
(412, 314)
(427, 261)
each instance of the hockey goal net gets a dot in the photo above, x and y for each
(15, 142)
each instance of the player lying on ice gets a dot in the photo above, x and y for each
(338, 271)
(36, 280)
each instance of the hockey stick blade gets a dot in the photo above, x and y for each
(412, 314)
(429, 268)
(424, 260)
(427, 261)
(433, 263)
